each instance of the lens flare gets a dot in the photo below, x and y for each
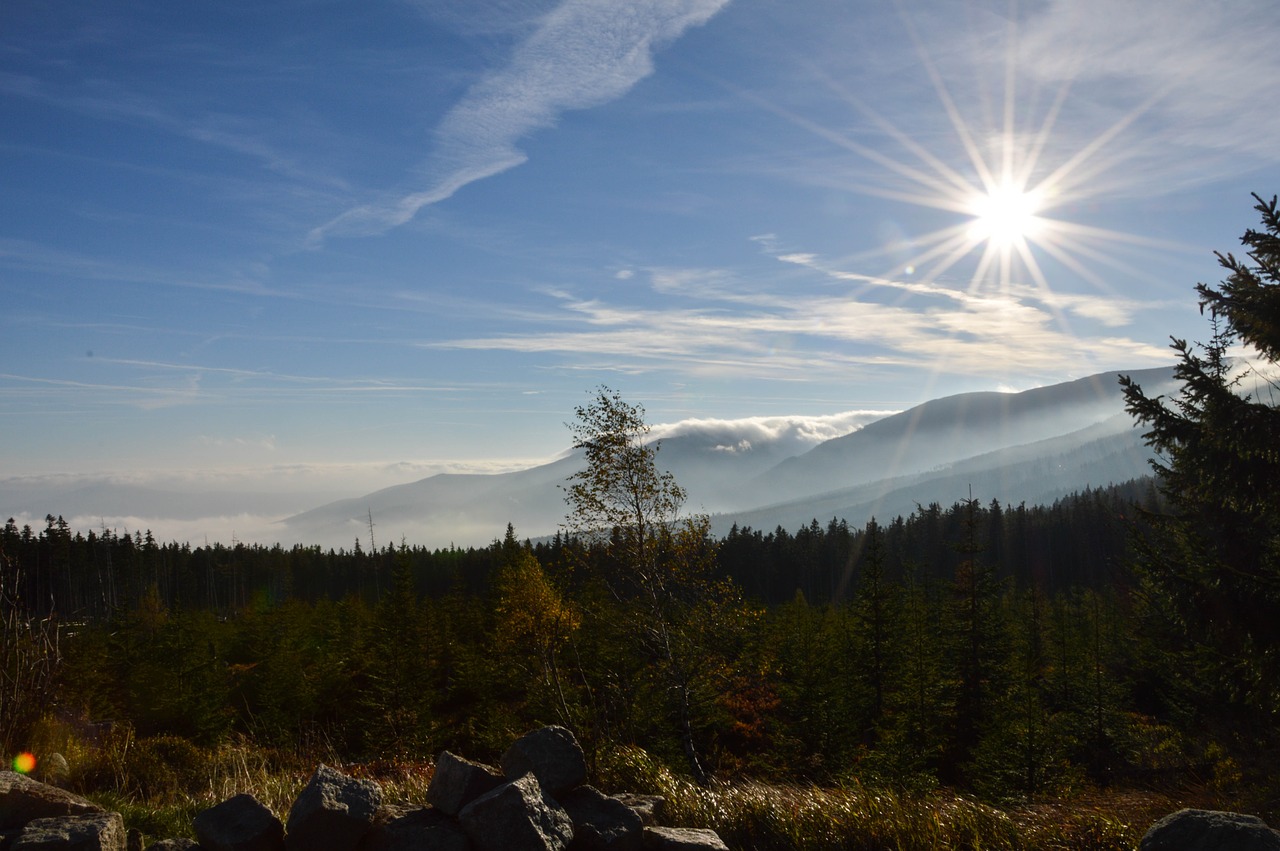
(24, 763)
(1005, 216)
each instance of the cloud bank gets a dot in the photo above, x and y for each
(791, 434)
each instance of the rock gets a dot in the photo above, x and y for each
(91, 832)
(682, 839)
(133, 839)
(1210, 830)
(24, 800)
(426, 829)
(239, 823)
(648, 807)
(332, 813)
(602, 823)
(517, 816)
(174, 845)
(552, 754)
(54, 768)
(457, 782)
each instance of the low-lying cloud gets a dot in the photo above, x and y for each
(789, 434)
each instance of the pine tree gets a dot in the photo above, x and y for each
(1214, 562)
(876, 615)
(397, 697)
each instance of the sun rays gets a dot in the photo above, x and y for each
(1005, 215)
(1005, 179)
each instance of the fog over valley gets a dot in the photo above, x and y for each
(1033, 446)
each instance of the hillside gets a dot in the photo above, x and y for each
(1032, 446)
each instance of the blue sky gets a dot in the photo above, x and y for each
(296, 242)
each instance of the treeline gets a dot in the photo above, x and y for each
(1079, 541)
(997, 649)
(1109, 638)
(92, 576)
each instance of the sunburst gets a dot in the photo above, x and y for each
(1005, 216)
(1006, 194)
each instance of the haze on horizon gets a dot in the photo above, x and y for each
(316, 250)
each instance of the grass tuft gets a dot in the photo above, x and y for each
(784, 817)
(159, 785)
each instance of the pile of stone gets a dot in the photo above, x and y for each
(537, 800)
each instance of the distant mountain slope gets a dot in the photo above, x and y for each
(1036, 473)
(947, 430)
(461, 508)
(474, 509)
(1031, 446)
(105, 498)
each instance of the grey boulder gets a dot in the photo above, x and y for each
(23, 800)
(648, 807)
(91, 832)
(240, 823)
(517, 816)
(457, 782)
(1210, 830)
(332, 813)
(552, 754)
(601, 823)
(682, 839)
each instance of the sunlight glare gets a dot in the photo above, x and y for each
(1005, 215)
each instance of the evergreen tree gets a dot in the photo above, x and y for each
(397, 695)
(876, 614)
(978, 645)
(911, 743)
(1214, 561)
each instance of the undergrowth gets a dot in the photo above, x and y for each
(159, 785)
(752, 816)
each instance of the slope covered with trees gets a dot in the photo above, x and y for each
(1120, 636)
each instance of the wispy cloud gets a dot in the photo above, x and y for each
(46, 259)
(712, 323)
(584, 53)
(183, 391)
(228, 132)
(154, 384)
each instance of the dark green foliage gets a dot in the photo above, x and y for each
(978, 648)
(990, 666)
(1039, 546)
(659, 566)
(1211, 565)
(396, 697)
(1004, 649)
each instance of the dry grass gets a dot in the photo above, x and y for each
(159, 785)
(773, 817)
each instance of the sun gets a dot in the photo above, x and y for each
(1005, 186)
(1005, 215)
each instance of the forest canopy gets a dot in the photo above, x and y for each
(1122, 636)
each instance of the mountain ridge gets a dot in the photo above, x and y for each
(1002, 431)
(764, 471)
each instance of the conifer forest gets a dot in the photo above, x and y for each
(1124, 637)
